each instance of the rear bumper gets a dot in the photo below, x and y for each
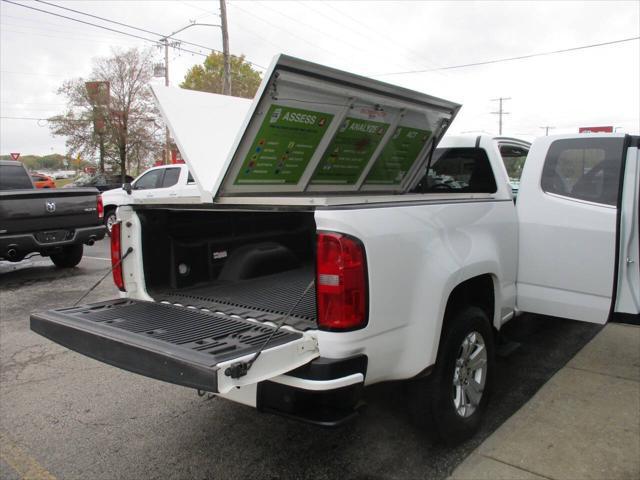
(324, 392)
(26, 243)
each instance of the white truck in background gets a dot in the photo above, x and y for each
(165, 183)
(333, 246)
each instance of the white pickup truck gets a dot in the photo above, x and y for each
(334, 247)
(166, 183)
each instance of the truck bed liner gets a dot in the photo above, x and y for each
(264, 298)
(175, 344)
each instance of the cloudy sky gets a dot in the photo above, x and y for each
(586, 87)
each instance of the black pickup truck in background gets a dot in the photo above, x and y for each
(55, 223)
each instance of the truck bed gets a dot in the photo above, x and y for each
(266, 298)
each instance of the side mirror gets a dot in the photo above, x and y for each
(127, 188)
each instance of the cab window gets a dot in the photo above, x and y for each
(171, 176)
(149, 180)
(584, 169)
(458, 170)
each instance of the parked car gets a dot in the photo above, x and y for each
(40, 180)
(166, 183)
(56, 223)
(339, 248)
(102, 182)
(61, 174)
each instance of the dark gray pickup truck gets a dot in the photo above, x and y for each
(54, 223)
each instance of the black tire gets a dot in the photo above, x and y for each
(69, 257)
(109, 213)
(433, 397)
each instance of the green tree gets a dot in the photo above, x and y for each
(128, 120)
(208, 76)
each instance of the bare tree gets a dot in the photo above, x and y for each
(124, 129)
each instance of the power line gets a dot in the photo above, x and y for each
(509, 59)
(97, 17)
(137, 28)
(87, 38)
(155, 42)
(81, 21)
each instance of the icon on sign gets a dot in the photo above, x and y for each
(275, 115)
(258, 149)
(291, 145)
(322, 121)
(252, 164)
(285, 157)
(261, 142)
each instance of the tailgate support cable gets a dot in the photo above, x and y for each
(240, 369)
(129, 250)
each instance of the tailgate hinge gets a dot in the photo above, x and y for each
(238, 369)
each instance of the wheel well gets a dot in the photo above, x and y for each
(477, 291)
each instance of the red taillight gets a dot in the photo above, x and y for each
(116, 255)
(341, 282)
(100, 207)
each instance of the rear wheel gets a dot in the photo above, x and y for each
(454, 398)
(109, 219)
(69, 257)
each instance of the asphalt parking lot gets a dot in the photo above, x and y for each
(68, 416)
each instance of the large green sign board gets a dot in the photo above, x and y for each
(349, 152)
(283, 147)
(398, 156)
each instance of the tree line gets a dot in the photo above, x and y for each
(118, 126)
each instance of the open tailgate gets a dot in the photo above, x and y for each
(310, 130)
(181, 345)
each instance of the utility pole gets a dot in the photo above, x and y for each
(546, 129)
(500, 112)
(226, 85)
(167, 140)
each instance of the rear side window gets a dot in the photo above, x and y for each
(458, 170)
(14, 177)
(584, 168)
(171, 176)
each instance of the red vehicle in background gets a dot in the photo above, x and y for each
(40, 180)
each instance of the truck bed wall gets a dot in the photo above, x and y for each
(261, 260)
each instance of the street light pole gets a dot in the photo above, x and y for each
(227, 65)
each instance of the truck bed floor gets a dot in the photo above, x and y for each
(263, 298)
